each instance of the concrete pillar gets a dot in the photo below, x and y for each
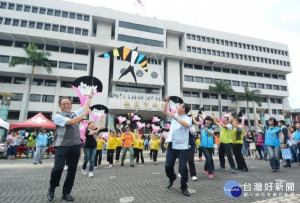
(110, 120)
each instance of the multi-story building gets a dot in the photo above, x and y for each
(183, 60)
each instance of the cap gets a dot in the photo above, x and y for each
(259, 131)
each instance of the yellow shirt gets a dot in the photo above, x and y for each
(111, 142)
(119, 142)
(141, 144)
(135, 142)
(198, 142)
(155, 144)
(100, 143)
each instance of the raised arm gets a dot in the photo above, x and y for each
(258, 124)
(78, 118)
(194, 120)
(88, 102)
(215, 119)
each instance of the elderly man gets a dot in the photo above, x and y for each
(67, 145)
(178, 147)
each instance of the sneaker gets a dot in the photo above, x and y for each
(110, 165)
(221, 169)
(155, 163)
(40, 162)
(211, 176)
(65, 168)
(83, 172)
(233, 170)
(194, 178)
(200, 159)
(185, 192)
(122, 164)
(91, 174)
(179, 176)
(35, 163)
(206, 172)
(131, 165)
(273, 170)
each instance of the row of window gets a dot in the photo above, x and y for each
(233, 71)
(139, 40)
(139, 27)
(189, 78)
(236, 56)
(44, 26)
(54, 64)
(236, 44)
(14, 115)
(42, 10)
(143, 90)
(22, 81)
(45, 47)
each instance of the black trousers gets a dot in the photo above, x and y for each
(240, 161)
(140, 152)
(171, 156)
(135, 152)
(200, 152)
(209, 162)
(226, 148)
(155, 152)
(118, 151)
(146, 147)
(110, 156)
(151, 152)
(163, 149)
(98, 157)
(69, 155)
(191, 162)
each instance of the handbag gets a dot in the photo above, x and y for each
(286, 154)
(252, 145)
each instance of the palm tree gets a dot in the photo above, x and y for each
(251, 95)
(221, 88)
(34, 58)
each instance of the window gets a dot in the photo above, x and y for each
(251, 73)
(269, 87)
(224, 96)
(195, 94)
(209, 80)
(235, 83)
(195, 106)
(275, 87)
(214, 108)
(208, 68)
(78, 66)
(4, 59)
(75, 100)
(72, 15)
(85, 32)
(70, 30)
(78, 31)
(50, 12)
(5, 79)
(198, 79)
(267, 75)
(47, 26)
(13, 115)
(261, 86)
(86, 18)
(188, 65)
(34, 9)
(226, 70)
(57, 13)
(280, 112)
(35, 97)
(198, 67)
(194, 49)
(234, 71)
(31, 24)
(259, 74)
(274, 111)
(42, 10)
(224, 108)
(3, 5)
(79, 16)
(48, 98)
(66, 84)
(37, 82)
(6, 42)
(55, 28)
(39, 25)
(267, 111)
(206, 107)
(11, 6)
(67, 50)
(188, 78)
(205, 95)
(82, 51)
(227, 82)
(283, 88)
(186, 94)
(188, 49)
(65, 65)
(243, 72)
(65, 14)
(1, 20)
(213, 96)
(53, 63)
(52, 48)
(20, 81)
(16, 22)
(19, 7)
(203, 51)
(17, 97)
(50, 83)
(27, 8)
(217, 69)
(244, 84)
(7, 21)
(278, 101)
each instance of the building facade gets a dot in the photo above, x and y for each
(183, 60)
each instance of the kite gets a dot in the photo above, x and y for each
(156, 119)
(121, 119)
(174, 102)
(140, 125)
(155, 128)
(86, 85)
(82, 127)
(98, 111)
(128, 55)
(136, 117)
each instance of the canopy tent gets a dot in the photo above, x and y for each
(37, 121)
(4, 124)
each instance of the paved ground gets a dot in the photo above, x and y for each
(21, 181)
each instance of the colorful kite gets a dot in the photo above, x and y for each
(174, 102)
(155, 128)
(140, 125)
(82, 128)
(98, 111)
(128, 55)
(136, 117)
(121, 119)
(156, 119)
(86, 85)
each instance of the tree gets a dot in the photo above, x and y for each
(34, 58)
(221, 88)
(253, 96)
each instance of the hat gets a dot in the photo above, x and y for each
(259, 131)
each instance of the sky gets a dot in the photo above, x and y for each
(274, 20)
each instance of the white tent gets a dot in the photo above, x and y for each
(4, 124)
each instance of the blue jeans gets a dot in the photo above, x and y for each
(89, 156)
(244, 150)
(293, 149)
(274, 153)
(265, 151)
(27, 151)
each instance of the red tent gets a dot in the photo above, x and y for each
(37, 121)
